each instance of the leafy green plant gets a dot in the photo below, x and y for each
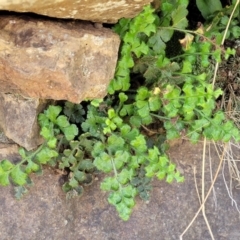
(55, 128)
(109, 135)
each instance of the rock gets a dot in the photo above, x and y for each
(18, 119)
(45, 213)
(61, 60)
(9, 151)
(107, 11)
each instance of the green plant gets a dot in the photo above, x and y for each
(55, 129)
(176, 93)
(208, 7)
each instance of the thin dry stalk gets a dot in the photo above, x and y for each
(207, 195)
(211, 175)
(203, 189)
(195, 181)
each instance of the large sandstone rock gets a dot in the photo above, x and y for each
(56, 59)
(18, 119)
(108, 11)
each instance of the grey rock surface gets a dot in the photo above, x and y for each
(44, 213)
(18, 119)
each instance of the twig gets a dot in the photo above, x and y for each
(195, 181)
(208, 193)
(203, 188)
(211, 176)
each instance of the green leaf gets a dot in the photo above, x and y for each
(52, 112)
(46, 133)
(153, 154)
(52, 143)
(143, 108)
(161, 175)
(103, 162)
(79, 176)
(124, 211)
(6, 165)
(187, 67)
(136, 121)
(22, 152)
(120, 158)
(151, 169)
(127, 109)
(43, 120)
(109, 184)
(179, 17)
(114, 198)
(31, 167)
(111, 113)
(46, 154)
(99, 147)
(96, 102)
(125, 176)
(129, 191)
(154, 103)
(18, 176)
(73, 183)
(70, 132)
(4, 178)
(170, 178)
(20, 191)
(122, 97)
(115, 143)
(178, 177)
(62, 121)
(139, 144)
(142, 93)
(140, 49)
(128, 133)
(208, 7)
(86, 165)
(129, 202)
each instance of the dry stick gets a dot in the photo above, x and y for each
(209, 191)
(211, 175)
(195, 181)
(203, 188)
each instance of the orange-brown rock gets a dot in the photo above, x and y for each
(61, 60)
(108, 11)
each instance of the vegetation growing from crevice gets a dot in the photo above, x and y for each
(159, 93)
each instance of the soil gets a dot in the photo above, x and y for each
(45, 213)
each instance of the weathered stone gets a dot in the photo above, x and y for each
(18, 119)
(107, 11)
(45, 213)
(9, 151)
(56, 59)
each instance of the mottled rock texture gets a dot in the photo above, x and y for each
(107, 11)
(45, 213)
(18, 119)
(61, 60)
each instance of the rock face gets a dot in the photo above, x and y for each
(107, 11)
(18, 119)
(45, 213)
(56, 59)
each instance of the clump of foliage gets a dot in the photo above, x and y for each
(109, 136)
